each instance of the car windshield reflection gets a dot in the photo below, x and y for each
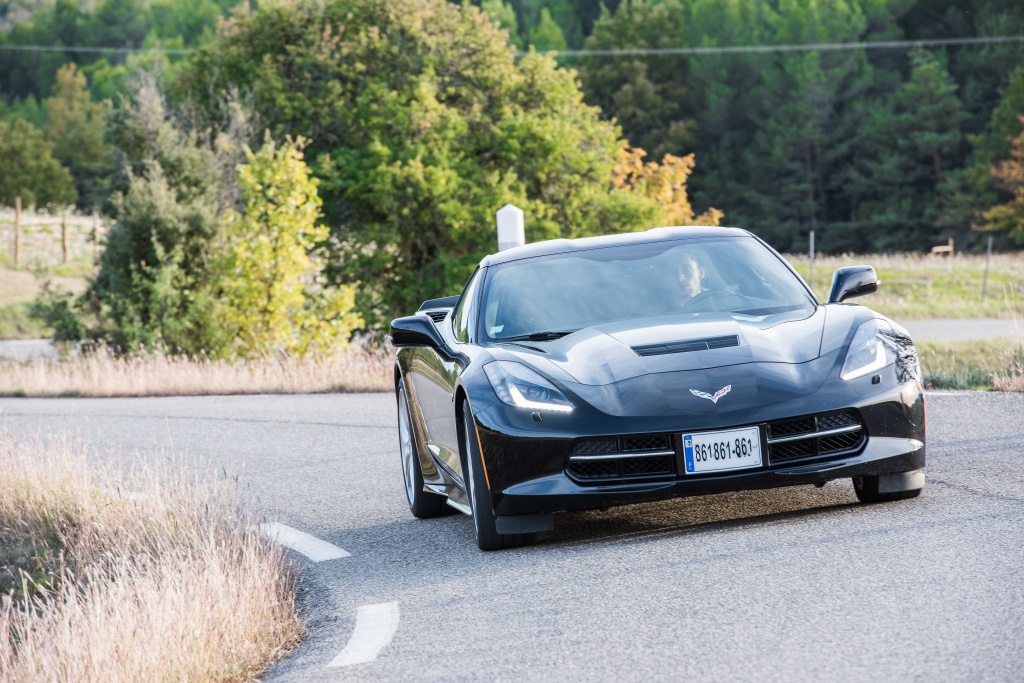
(546, 298)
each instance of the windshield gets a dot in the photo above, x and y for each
(547, 297)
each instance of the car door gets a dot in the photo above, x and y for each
(435, 378)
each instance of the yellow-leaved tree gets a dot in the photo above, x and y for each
(1008, 176)
(274, 298)
(663, 183)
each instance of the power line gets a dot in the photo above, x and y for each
(802, 47)
(77, 48)
(624, 52)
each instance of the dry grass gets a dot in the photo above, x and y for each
(169, 583)
(104, 374)
(994, 364)
(916, 286)
(20, 286)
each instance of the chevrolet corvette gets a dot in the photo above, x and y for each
(581, 374)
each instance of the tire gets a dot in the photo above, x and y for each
(423, 504)
(866, 489)
(487, 537)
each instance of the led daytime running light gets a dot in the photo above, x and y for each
(523, 402)
(512, 382)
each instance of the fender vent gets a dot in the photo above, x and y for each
(437, 316)
(686, 346)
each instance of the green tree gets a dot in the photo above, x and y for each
(996, 142)
(422, 123)
(96, 24)
(273, 295)
(505, 16)
(566, 13)
(1008, 176)
(29, 170)
(76, 130)
(647, 95)
(154, 284)
(907, 150)
(547, 34)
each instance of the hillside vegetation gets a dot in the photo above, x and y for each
(403, 126)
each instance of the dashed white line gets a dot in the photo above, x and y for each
(301, 542)
(375, 627)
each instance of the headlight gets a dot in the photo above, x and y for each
(872, 349)
(519, 386)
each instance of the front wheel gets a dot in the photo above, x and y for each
(423, 504)
(484, 521)
(889, 487)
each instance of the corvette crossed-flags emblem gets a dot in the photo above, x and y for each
(718, 394)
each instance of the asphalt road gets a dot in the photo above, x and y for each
(796, 584)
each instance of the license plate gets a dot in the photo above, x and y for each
(734, 449)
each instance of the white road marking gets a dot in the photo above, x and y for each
(310, 546)
(375, 627)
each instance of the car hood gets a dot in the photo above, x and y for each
(613, 352)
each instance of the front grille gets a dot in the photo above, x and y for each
(813, 436)
(633, 444)
(633, 467)
(595, 446)
(596, 459)
(788, 427)
(594, 469)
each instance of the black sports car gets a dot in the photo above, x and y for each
(578, 374)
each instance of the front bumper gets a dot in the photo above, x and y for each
(526, 461)
(558, 492)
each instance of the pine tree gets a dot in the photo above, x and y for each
(1008, 176)
(29, 170)
(505, 16)
(76, 129)
(547, 34)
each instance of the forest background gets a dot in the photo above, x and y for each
(406, 124)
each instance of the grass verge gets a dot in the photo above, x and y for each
(168, 583)
(102, 374)
(916, 286)
(16, 323)
(997, 364)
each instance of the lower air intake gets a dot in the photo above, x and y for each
(814, 436)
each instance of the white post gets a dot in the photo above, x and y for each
(510, 227)
(812, 260)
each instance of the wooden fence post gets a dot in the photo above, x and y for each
(95, 238)
(17, 230)
(64, 238)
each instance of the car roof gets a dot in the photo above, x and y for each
(563, 246)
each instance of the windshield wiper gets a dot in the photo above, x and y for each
(537, 336)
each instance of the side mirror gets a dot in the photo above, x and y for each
(419, 330)
(443, 302)
(852, 281)
(415, 330)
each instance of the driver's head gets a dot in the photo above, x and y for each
(690, 275)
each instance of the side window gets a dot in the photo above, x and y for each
(464, 309)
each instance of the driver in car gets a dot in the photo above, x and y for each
(688, 281)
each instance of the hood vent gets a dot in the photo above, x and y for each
(689, 345)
